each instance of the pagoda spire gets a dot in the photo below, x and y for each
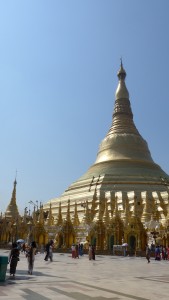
(75, 219)
(41, 215)
(68, 211)
(50, 218)
(59, 220)
(122, 115)
(116, 211)
(123, 141)
(12, 209)
(87, 216)
(106, 218)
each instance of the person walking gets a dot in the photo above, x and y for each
(90, 252)
(23, 248)
(48, 249)
(31, 252)
(13, 259)
(81, 249)
(157, 253)
(51, 250)
(148, 251)
(93, 252)
(168, 253)
(77, 251)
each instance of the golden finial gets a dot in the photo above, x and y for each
(15, 182)
(121, 73)
(121, 62)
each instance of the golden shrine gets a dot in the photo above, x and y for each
(122, 198)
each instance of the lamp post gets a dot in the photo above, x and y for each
(154, 235)
(30, 233)
(15, 225)
(31, 202)
(152, 227)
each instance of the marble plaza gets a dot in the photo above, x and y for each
(108, 277)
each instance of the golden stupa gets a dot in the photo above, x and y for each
(122, 191)
(12, 212)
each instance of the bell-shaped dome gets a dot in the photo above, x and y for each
(123, 141)
(123, 153)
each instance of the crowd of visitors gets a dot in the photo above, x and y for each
(77, 250)
(159, 252)
(30, 250)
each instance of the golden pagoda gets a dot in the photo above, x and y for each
(120, 192)
(12, 209)
(10, 221)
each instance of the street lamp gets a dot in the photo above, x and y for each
(152, 227)
(155, 235)
(31, 202)
(30, 234)
(15, 225)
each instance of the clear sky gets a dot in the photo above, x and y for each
(58, 75)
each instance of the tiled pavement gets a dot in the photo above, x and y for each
(108, 277)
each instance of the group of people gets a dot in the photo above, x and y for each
(30, 252)
(160, 252)
(77, 250)
(13, 258)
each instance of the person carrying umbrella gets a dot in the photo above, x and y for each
(125, 245)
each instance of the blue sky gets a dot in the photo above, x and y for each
(58, 76)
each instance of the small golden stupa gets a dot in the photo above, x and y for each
(122, 191)
(12, 212)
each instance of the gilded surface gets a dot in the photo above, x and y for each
(120, 187)
(116, 198)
